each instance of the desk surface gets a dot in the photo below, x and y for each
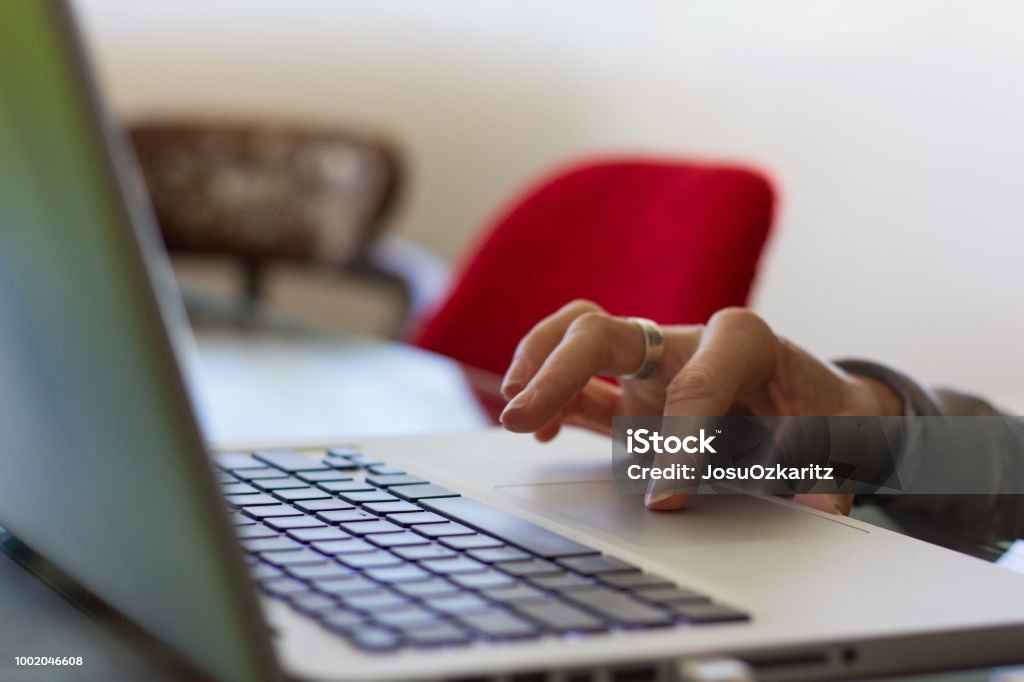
(261, 390)
(294, 390)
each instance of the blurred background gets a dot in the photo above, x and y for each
(892, 131)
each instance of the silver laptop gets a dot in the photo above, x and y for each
(441, 558)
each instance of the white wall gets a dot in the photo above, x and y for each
(894, 127)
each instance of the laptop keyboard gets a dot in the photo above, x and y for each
(389, 560)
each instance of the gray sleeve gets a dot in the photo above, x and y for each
(997, 451)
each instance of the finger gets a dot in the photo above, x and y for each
(535, 347)
(665, 501)
(548, 432)
(830, 503)
(594, 343)
(736, 355)
(595, 406)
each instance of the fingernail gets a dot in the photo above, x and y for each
(655, 498)
(518, 403)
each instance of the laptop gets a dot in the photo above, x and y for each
(446, 557)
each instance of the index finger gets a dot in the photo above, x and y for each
(538, 343)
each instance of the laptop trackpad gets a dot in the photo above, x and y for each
(707, 519)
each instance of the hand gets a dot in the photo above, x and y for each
(733, 365)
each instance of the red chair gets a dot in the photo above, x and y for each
(666, 240)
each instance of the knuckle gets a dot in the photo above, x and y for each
(692, 383)
(589, 322)
(582, 306)
(740, 319)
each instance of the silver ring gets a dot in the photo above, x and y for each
(654, 348)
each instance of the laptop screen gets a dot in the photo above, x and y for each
(102, 469)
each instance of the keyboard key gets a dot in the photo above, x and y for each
(238, 489)
(432, 587)
(403, 539)
(631, 581)
(702, 614)
(375, 639)
(618, 607)
(372, 602)
(370, 527)
(224, 477)
(274, 544)
(416, 518)
(313, 603)
(253, 475)
(236, 518)
(597, 565)
(280, 483)
(265, 571)
(297, 494)
(516, 594)
(364, 460)
(343, 452)
(355, 584)
(398, 574)
(250, 500)
(671, 595)
(422, 491)
(385, 469)
(293, 558)
(453, 565)
(496, 554)
(510, 528)
(384, 508)
(458, 603)
(562, 582)
(367, 496)
(288, 460)
(235, 460)
(343, 620)
(395, 480)
(284, 587)
(413, 617)
(318, 476)
(289, 522)
(324, 571)
(331, 504)
(561, 617)
(378, 559)
(419, 552)
(437, 530)
(318, 534)
(471, 542)
(339, 547)
(530, 567)
(271, 511)
(342, 465)
(254, 531)
(439, 634)
(345, 515)
(483, 580)
(344, 486)
(499, 624)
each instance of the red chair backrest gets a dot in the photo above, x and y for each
(670, 241)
